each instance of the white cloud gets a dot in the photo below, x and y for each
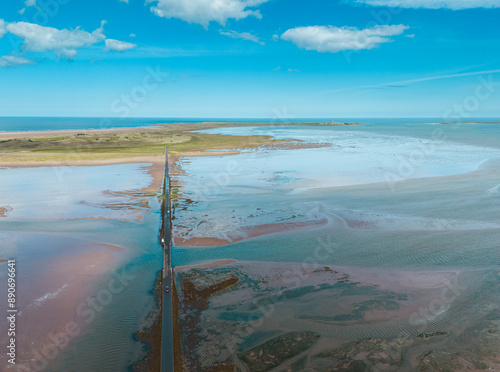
(62, 42)
(293, 70)
(3, 31)
(131, 35)
(125, 1)
(118, 46)
(205, 11)
(13, 61)
(434, 4)
(330, 39)
(28, 3)
(242, 35)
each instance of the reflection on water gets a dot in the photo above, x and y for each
(392, 218)
(85, 242)
(58, 193)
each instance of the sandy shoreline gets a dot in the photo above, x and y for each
(75, 163)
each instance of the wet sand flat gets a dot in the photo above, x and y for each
(400, 275)
(85, 242)
(79, 192)
(50, 290)
(247, 232)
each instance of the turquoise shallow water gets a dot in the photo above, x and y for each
(73, 233)
(392, 190)
(393, 204)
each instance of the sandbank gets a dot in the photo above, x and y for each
(247, 232)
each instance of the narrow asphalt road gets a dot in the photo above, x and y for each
(167, 339)
(167, 332)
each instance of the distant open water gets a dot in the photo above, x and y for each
(23, 124)
(15, 124)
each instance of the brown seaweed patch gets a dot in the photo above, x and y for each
(196, 293)
(364, 355)
(4, 211)
(178, 363)
(151, 334)
(199, 295)
(440, 360)
(131, 205)
(434, 334)
(483, 355)
(226, 366)
(274, 352)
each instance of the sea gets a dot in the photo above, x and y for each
(23, 124)
(394, 195)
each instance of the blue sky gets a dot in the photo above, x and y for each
(249, 58)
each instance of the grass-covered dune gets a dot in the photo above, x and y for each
(124, 145)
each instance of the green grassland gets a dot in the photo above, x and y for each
(88, 146)
(122, 144)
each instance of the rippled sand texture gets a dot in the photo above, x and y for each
(390, 248)
(85, 243)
